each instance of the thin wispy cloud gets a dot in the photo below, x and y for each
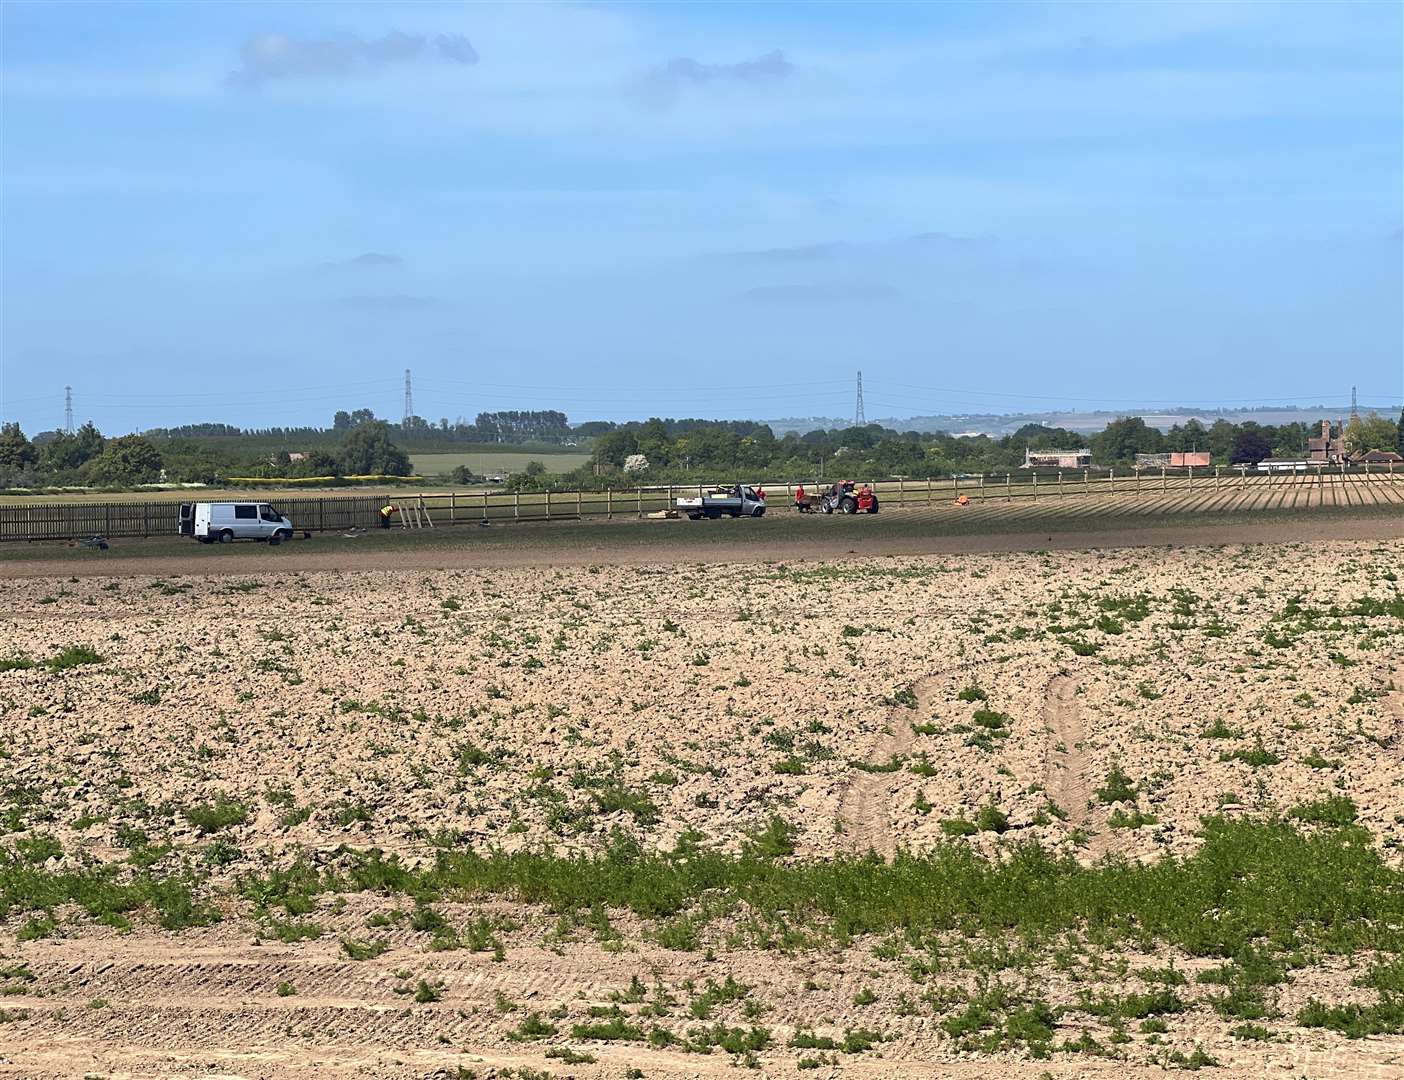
(772, 65)
(800, 254)
(821, 293)
(684, 71)
(270, 57)
(368, 260)
(389, 302)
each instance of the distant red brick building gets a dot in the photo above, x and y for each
(1326, 446)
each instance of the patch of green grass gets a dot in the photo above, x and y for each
(220, 814)
(1337, 811)
(1117, 788)
(73, 656)
(1257, 756)
(368, 949)
(1356, 1021)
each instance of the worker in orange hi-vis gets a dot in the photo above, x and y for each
(964, 500)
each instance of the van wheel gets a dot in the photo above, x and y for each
(283, 534)
(226, 537)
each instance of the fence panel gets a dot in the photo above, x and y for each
(331, 513)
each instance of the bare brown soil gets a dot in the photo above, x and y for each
(426, 703)
(668, 542)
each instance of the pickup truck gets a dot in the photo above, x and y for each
(739, 500)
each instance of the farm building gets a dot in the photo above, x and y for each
(1375, 457)
(1057, 459)
(1327, 447)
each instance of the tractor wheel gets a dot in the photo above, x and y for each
(848, 505)
(874, 510)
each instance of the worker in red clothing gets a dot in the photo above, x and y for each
(760, 493)
(801, 500)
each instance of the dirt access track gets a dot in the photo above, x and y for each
(779, 537)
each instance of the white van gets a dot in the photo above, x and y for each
(230, 521)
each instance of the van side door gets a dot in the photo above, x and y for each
(246, 520)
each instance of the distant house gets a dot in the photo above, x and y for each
(1375, 457)
(1057, 459)
(297, 455)
(1189, 459)
(1326, 446)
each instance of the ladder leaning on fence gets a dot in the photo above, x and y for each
(415, 515)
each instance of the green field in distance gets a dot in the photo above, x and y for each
(439, 464)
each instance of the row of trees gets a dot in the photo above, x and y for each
(508, 426)
(84, 457)
(87, 458)
(692, 447)
(662, 449)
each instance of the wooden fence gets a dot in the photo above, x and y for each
(64, 521)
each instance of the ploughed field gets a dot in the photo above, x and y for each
(1083, 813)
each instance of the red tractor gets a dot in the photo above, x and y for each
(845, 498)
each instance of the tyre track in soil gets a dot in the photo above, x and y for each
(865, 805)
(1069, 780)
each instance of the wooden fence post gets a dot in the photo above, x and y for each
(1162, 479)
(1008, 493)
(1111, 478)
(1035, 494)
(609, 503)
(640, 502)
(453, 506)
(516, 505)
(548, 504)
(928, 491)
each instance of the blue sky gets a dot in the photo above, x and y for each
(259, 213)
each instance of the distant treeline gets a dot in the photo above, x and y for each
(656, 450)
(699, 447)
(546, 426)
